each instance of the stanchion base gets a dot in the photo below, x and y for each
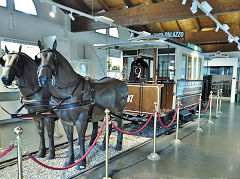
(154, 156)
(107, 178)
(209, 121)
(176, 141)
(58, 135)
(220, 112)
(199, 129)
(2, 150)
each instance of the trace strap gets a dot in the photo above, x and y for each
(204, 110)
(70, 166)
(131, 133)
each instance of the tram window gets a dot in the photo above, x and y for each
(189, 67)
(3, 3)
(166, 66)
(183, 67)
(26, 7)
(194, 68)
(199, 68)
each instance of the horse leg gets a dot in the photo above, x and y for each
(69, 131)
(50, 123)
(103, 147)
(120, 135)
(81, 126)
(94, 133)
(40, 128)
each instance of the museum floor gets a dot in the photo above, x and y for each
(214, 153)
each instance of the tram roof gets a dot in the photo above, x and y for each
(148, 42)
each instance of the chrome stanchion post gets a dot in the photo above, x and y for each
(107, 117)
(217, 104)
(209, 121)
(18, 131)
(220, 103)
(154, 156)
(199, 114)
(176, 140)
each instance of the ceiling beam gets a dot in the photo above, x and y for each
(104, 5)
(198, 24)
(164, 11)
(227, 47)
(209, 36)
(128, 3)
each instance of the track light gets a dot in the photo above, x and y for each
(131, 35)
(230, 38)
(225, 27)
(236, 39)
(238, 46)
(71, 16)
(194, 7)
(53, 12)
(206, 7)
(184, 2)
(217, 29)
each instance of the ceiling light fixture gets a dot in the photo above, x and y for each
(230, 38)
(184, 2)
(71, 16)
(54, 11)
(194, 6)
(225, 27)
(205, 7)
(217, 28)
(238, 46)
(236, 39)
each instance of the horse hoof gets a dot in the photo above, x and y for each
(81, 167)
(118, 148)
(50, 156)
(41, 154)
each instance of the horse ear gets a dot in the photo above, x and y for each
(6, 49)
(37, 60)
(20, 49)
(40, 45)
(2, 62)
(55, 44)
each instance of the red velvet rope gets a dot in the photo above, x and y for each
(204, 110)
(170, 122)
(26, 119)
(192, 107)
(131, 133)
(7, 150)
(70, 166)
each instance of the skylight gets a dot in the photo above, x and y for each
(27, 6)
(3, 3)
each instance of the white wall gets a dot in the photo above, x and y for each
(227, 62)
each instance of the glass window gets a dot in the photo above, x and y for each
(3, 3)
(27, 6)
(183, 67)
(166, 66)
(189, 67)
(114, 32)
(101, 31)
(199, 68)
(194, 67)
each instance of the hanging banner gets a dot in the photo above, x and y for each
(177, 34)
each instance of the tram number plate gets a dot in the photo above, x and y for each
(130, 98)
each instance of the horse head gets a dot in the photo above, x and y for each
(48, 64)
(12, 66)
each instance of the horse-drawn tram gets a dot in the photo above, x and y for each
(159, 69)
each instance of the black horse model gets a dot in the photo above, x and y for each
(35, 99)
(76, 99)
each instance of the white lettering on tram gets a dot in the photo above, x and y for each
(130, 98)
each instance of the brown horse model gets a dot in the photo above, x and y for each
(75, 99)
(35, 99)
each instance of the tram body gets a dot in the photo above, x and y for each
(175, 72)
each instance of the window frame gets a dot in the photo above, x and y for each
(14, 7)
(6, 5)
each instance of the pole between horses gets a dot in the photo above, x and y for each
(107, 117)
(154, 156)
(220, 103)
(209, 121)
(217, 104)
(18, 131)
(199, 113)
(176, 140)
